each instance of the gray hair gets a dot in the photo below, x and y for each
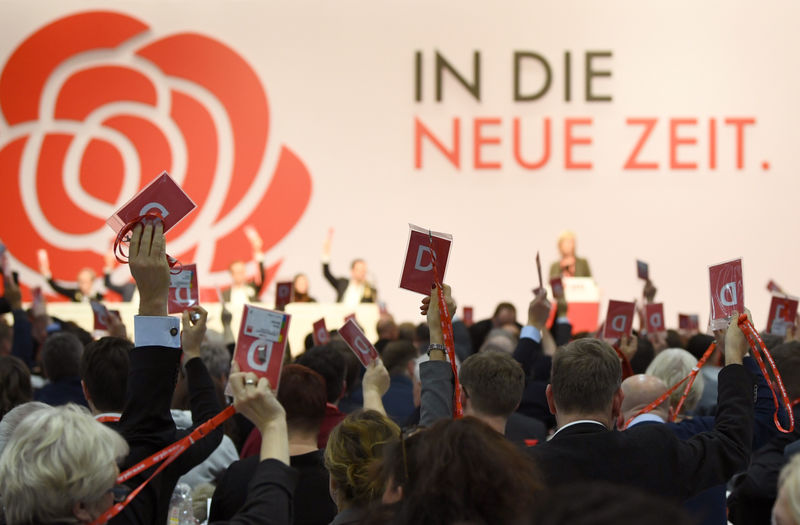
(13, 418)
(57, 457)
(217, 360)
(672, 365)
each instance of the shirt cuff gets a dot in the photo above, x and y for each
(531, 332)
(157, 331)
(563, 320)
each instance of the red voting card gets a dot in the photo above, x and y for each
(358, 342)
(162, 195)
(350, 317)
(782, 311)
(557, 286)
(654, 318)
(320, 333)
(619, 319)
(38, 306)
(283, 294)
(183, 290)
(261, 344)
(418, 267)
(101, 316)
(643, 270)
(688, 322)
(727, 292)
(773, 287)
(467, 313)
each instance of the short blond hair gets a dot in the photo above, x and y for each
(672, 365)
(57, 457)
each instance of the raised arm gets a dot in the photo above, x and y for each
(436, 374)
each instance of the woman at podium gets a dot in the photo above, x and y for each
(570, 265)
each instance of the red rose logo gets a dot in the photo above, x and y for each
(93, 106)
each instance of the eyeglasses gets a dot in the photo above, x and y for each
(120, 492)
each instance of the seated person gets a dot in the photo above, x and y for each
(61, 359)
(302, 394)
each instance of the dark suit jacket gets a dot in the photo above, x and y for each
(581, 268)
(147, 426)
(651, 457)
(226, 294)
(126, 290)
(340, 284)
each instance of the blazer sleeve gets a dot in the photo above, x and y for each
(711, 458)
(125, 290)
(69, 293)
(534, 363)
(204, 404)
(326, 271)
(258, 285)
(23, 346)
(436, 398)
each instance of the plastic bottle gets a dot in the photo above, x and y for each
(180, 506)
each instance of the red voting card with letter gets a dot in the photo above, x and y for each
(418, 268)
(163, 196)
(782, 311)
(183, 290)
(261, 344)
(320, 333)
(654, 318)
(101, 316)
(467, 314)
(727, 292)
(619, 319)
(358, 342)
(688, 322)
(283, 294)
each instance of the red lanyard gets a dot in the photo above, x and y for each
(663, 397)
(446, 325)
(108, 418)
(758, 348)
(165, 457)
(123, 236)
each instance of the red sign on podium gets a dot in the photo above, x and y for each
(283, 294)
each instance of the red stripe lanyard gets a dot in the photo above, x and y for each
(663, 397)
(123, 236)
(758, 349)
(108, 418)
(446, 324)
(165, 457)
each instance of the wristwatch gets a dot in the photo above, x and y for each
(436, 346)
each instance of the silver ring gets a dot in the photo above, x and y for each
(249, 381)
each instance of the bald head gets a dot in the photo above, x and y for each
(641, 390)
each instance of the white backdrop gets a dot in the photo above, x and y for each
(340, 82)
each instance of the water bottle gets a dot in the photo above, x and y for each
(180, 506)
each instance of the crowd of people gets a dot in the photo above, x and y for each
(534, 424)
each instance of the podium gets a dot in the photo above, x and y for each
(303, 317)
(583, 303)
